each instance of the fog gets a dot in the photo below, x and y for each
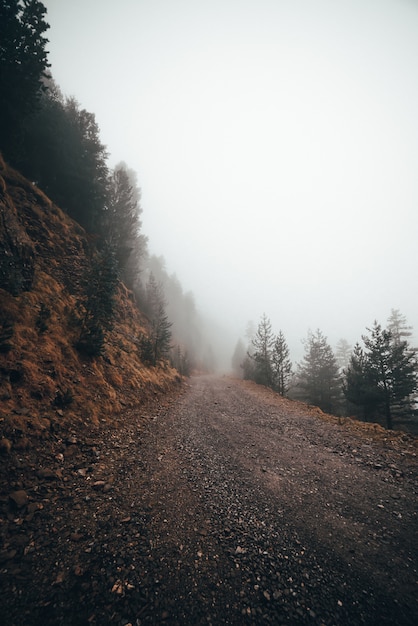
(276, 146)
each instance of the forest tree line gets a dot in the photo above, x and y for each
(56, 144)
(374, 381)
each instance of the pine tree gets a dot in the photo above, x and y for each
(281, 365)
(384, 378)
(188, 328)
(160, 333)
(379, 366)
(358, 387)
(101, 283)
(46, 138)
(83, 185)
(405, 379)
(342, 354)
(398, 326)
(121, 223)
(180, 361)
(23, 62)
(65, 157)
(318, 375)
(262, 345)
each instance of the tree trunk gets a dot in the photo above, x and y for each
(389, 422)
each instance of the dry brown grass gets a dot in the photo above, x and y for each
(371, 430)
(44, 380)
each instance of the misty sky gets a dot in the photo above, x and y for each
(276, 146)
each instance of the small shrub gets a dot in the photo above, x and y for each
(91, 341)
(63, 398)
(146, 350)
(42, 319)
(101, 281)
(6, 333)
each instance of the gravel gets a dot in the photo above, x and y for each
(225, 504)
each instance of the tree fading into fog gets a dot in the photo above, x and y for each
(156, 345)
(180, 360)
(66, 158)
(238, 358)
(281, 365)
(381, 379)
(398, 326)
(56, 144)
(189, 331)
(248, 366)
(343, 352)
(317, 378)
(121, 224)
(267, 360)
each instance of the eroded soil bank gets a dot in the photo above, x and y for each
(225, 504)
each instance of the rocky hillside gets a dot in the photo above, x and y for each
(46, 384)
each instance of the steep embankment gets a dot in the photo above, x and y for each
(46, 385)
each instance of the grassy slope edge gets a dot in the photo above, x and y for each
(44, 382)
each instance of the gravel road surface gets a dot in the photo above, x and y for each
(227, 504)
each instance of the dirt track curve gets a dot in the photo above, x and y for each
(230, 506)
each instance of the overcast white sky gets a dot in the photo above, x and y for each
(276, 146)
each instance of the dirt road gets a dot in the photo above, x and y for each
(232, 506)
